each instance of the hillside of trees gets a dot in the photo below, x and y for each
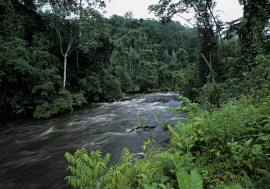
(55, 59)
(68, 55)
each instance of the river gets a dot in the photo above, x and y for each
(32, 151)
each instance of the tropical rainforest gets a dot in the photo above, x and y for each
(53, 60)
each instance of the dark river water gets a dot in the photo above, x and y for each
(32, 151)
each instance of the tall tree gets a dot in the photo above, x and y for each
(77, 27)
(205, 22)
(252, 32)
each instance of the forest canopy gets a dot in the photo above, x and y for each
(71, 54)
(68, 55)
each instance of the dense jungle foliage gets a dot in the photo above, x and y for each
(55, 59)
(68, 55)
(225, 140)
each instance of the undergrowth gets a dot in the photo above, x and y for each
(214, 148)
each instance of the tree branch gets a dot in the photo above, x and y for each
(186, 20)
(218, 32)
(70, 42)
(70, 51)
(210, 67)
(58, 32)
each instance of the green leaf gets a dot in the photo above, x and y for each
(180, 145)
(183, 178)
(248, 164)
(234, 186)
(146, 186)
(163, 186)
(196, 181)
(266, 127)
(248, 142)
(265, 137)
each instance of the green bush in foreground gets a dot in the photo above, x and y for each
(92, 172)
(223, 148)
(230, 144)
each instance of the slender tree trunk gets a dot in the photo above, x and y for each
(65, 70)
(173, 56)
(139, 68)
(130, 57)
(68, 51)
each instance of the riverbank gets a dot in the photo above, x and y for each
(228, 147)
(7, 118)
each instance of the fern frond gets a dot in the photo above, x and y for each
(264, 172)
(245, 179)
(264, 137)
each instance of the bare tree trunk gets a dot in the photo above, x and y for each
(173, 56)
(139, 68)
(130, 58)
(211, 76)
(65, 70)
(68, 51)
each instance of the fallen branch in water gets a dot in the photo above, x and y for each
(143, 127)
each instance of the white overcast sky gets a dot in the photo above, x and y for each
(230, 8)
